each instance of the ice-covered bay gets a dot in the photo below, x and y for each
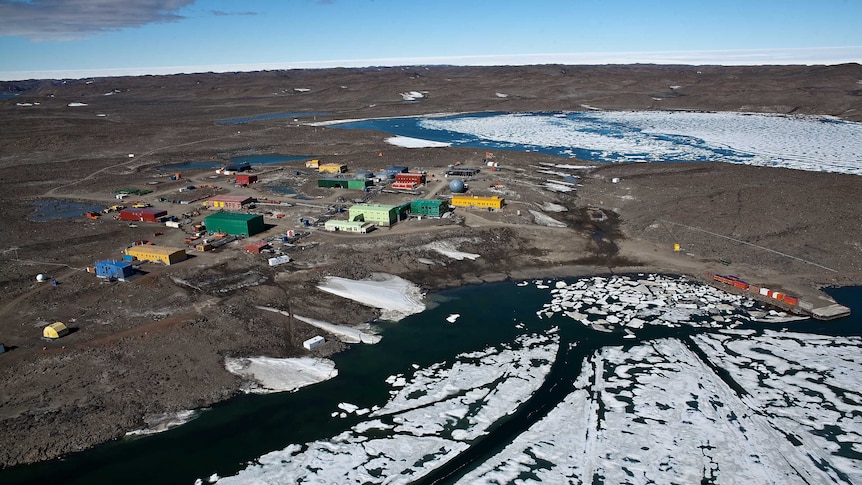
(656, 413)
(431, 416)
(712, 397)
(799, 142)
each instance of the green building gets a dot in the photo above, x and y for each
(382, 215)
(353, 184)
(429, 207)
(235, 223)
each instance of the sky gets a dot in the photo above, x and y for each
(88, 38)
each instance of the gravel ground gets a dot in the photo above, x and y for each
(157, 344)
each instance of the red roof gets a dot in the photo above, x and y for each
(147, 210)
(230, 198)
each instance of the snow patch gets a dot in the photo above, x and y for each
(269, 374)
(408, 142)
(395, 296)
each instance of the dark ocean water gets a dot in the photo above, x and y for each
(224, 438)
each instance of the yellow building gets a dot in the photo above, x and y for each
(312, 163)
(492, 202)
(332, 168)
(157, 254)
(55, 330)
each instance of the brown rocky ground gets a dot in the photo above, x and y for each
(157, 344)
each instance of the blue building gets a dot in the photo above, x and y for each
(110, 268)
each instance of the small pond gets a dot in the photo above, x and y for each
(51, 209)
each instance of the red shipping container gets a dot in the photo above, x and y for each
(246, 179)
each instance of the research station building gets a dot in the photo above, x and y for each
(144, 214)
(230, 202)
(492, 202)
(235, 224)
(112, 269)
(156, 254)
(380, 214)
(333, 225)
(429, 207)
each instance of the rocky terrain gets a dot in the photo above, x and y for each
(157, 344)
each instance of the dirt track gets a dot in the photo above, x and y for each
(157, 344)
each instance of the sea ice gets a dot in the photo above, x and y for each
(433, 418)
(801, 142)
(654, 413)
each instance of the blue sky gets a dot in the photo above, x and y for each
(81, 38)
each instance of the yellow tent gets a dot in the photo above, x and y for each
(55, 330)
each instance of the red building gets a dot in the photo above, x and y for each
(406, 178)
(245, 179)
(256, 247)
(142, 215)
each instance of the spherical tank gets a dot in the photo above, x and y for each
(456, 186)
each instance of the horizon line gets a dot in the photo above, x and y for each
(728, 57)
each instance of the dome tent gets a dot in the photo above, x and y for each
(55, 330)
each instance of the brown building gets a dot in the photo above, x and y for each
(230, 202)
(246, 179)
(142, 215)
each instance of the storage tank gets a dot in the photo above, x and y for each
(457, 186)
(41, 278)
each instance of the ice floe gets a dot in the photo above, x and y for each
(453, 317)
(800, 142)
(618, 302)
(656, 413)
(501, 95)
(393, 295)
(269, 374)
(76, 105)
(806, 386)
(431, 416)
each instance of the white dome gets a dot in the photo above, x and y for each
(40, 277)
